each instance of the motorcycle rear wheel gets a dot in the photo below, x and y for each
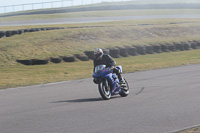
(104, 90)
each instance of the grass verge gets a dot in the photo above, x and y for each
(20, 75)
(65, 42)
(109, 13)
(191, 130)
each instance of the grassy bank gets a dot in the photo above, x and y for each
(109, 13)
(82, 37)
(20, 75)
(65, 42)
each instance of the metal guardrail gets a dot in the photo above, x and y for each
(51, 4)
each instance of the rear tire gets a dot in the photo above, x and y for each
(124, 91)
(104, 90)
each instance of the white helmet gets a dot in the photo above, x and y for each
(98, 53)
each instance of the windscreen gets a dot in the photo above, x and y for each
(99, 68)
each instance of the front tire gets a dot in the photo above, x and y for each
(104, 90)
(125, 90)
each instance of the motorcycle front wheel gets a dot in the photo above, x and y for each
(104, 89)
(125, 90)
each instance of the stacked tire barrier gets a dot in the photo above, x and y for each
(132, 51)
(34, 62)
(141, 50)
(82, 57)
(114, 53)
(123, 52)
(149, 49)
(2, 34)
(89, 54)
(157, 49)
(55, 60)
(69, 59)
(21, 31)
(118, 52)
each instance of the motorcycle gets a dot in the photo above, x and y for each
(108, 82)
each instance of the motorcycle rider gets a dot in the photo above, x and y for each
(103, 59)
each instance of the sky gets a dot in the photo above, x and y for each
(10, 8)
(18, 2)
(6, 5)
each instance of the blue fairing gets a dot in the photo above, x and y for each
(101, 72)
(120, 68)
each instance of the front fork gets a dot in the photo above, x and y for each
(110, 84)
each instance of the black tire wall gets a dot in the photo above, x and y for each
(114, 53)
(2, 34)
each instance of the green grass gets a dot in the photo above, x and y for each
(45, 44)
(136, 12)
(191, 130)
(20, 75)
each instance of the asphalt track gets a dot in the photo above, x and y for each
(94, 19)
(160, 101)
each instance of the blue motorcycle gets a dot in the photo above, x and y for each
(108, 82)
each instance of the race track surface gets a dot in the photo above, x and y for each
(93, 19)
(160, 101)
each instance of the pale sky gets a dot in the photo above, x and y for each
(17, 2)
(6, 5)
